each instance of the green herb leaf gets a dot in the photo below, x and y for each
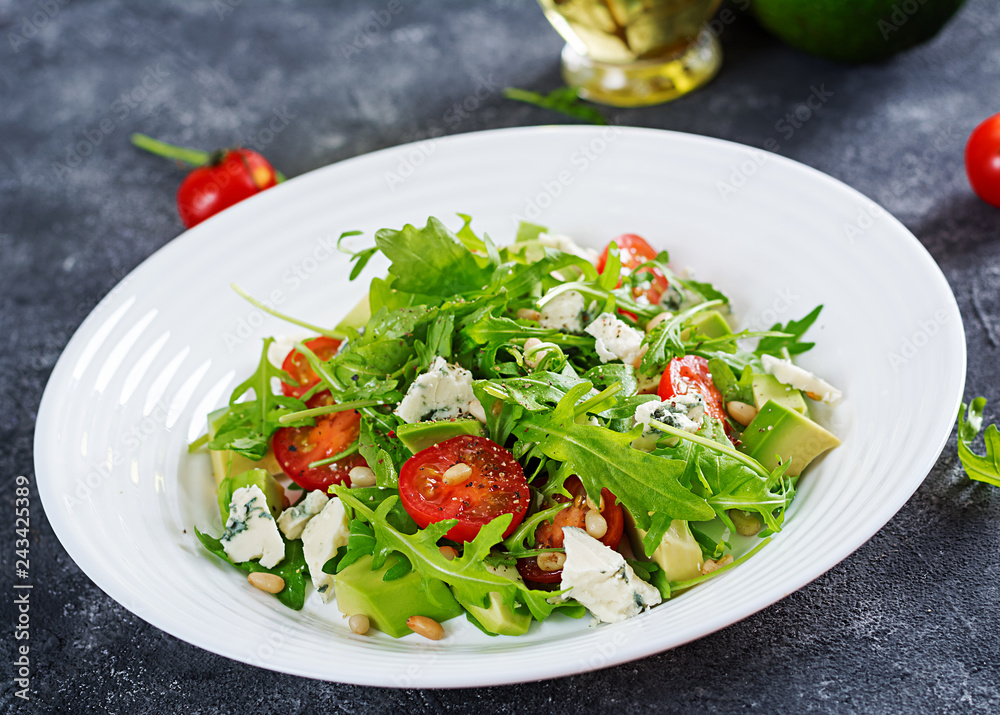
(795, 330)
(981, 468)
(565, 100)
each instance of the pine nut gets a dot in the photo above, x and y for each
(457, 473)
(741, 412)
(359, 623)
(595, 507)
(531, 343)
(597, 525)
(710, 566)
(528, 314)
(657, 319)
(637, 363)
(362, 477)
(449, 552)
(426, 627)
(551, 561)
(746, 524)
(266, 581)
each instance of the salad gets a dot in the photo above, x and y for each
(509, 433)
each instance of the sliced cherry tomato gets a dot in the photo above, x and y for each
(298, 367)
(550, 535)
(634, 251)
(296, 448)
(690, 374)
(229, 178)
(495, 486)
(982, 160)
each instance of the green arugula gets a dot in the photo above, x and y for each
(981, 468)
(790, 344)
(247, 426)
(565, 100)
(292, 568)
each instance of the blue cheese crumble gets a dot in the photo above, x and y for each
(250, 529)
(324, 534)
(615, 339)
(598, 577)
(444, 392)
(683, 412)
(563, 313)
(293, 520)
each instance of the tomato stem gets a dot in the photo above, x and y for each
(195, 157)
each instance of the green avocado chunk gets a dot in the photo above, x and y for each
(273, 492)
(767, 387)
(421, 435)
(499, 618)
(678, 554)
(388, 604)
(709, 323)
(778, 433)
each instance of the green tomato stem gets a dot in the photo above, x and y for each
(195, 157)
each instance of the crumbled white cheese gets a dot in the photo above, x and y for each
(567, 245)
(616, 340)
(788, 374)
(293, 520)
(685, 412)
(598, 577)
(443, 392)
(563, 313)
(250, 529)
(324, 534)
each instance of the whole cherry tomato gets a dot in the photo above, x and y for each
(549, 535)
(296, 448)
(228, 178)
(982, 160)
(298, 367)
(634, 251)
(468, 478)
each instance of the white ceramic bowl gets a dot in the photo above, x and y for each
(168, 344)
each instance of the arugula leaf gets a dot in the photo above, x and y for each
(247, 427)
(467, 575)
(665, 342)
(384, 454)
(731, 387)
(642, 482)
(292, 568)
(795, 330)
(431, 260)
(981, 468)
(565, 100)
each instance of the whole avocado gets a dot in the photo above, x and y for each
(854, 30)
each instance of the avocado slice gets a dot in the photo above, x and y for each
(778, 433)
(359, 315)
(767, 387)
(226, 462)
(710, 323)
(273, 492)
(421, 435)
(388, 604)
(679, 554)
(499, 618)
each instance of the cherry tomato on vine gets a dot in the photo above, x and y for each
(227, 179)
(634, 251)
(298, 367)
(982, 160)
(296, 448)
(690, 374)
(549, 535)
(490, 483)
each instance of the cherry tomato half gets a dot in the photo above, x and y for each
(982, 160)
(634, 251)
(494, 486)
(236, 175)
(296, 448)
(690, 374)
(298, 367)
(550, 535)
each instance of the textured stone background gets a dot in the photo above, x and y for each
(908, 623)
